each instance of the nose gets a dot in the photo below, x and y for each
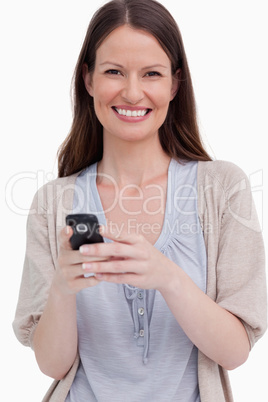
(132, 91)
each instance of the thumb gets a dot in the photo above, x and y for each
(64, 237)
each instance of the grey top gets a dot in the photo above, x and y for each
(131, 346)
(234, 246)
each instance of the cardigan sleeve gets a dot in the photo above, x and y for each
(240, 267)
(38, 270)
(46, 218)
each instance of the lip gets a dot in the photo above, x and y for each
(131, 107)
(130, 119)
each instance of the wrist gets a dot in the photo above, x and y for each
(60, 292)
(171, 282)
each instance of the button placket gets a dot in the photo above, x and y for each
(141, 316)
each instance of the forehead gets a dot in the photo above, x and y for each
(131, 44)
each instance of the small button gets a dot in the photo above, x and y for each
(142, 332)
(141, 311)
(140, 295)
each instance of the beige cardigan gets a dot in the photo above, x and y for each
(235, 255)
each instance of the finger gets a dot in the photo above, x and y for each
(132, 238)
(74, 271)
(72, 258)
(64, 237)
(82, 283)
(114, 267)
(115, 250)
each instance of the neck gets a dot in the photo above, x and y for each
(132, 162)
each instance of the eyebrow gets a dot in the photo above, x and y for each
(144, 68)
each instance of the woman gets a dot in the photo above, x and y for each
(177, 296)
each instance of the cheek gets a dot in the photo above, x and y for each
(105, 92)
(163, 104)
(103, 100)
(161, 95)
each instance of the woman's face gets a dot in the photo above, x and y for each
(132, 85)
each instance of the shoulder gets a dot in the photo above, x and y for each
(61, 188)
(222, 173)
(223, 186)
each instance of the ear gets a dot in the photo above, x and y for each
(175, 84)
(87, 77)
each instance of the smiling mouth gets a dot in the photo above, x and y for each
(132, 113)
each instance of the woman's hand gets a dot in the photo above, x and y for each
(69, 276)
(215, 331)
(129, 259)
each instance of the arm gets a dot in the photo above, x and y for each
(215, 331)
(214, 327)
(55, 338)
(45, 317)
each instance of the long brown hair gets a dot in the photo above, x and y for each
(179, 135)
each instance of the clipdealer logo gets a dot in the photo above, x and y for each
(185, 195)
(23, 180)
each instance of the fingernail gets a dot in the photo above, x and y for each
(83, 249)
(89, 275)
(86, 265)
(67, 230)
(102, 229)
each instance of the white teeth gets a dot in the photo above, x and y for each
(131, 113)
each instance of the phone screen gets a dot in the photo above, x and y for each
(85, 229)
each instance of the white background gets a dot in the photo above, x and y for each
(226, 44)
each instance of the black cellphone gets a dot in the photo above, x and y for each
(85, 229)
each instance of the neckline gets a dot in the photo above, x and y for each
(168, 215)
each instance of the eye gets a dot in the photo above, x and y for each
(153, 74)
(112, 72)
